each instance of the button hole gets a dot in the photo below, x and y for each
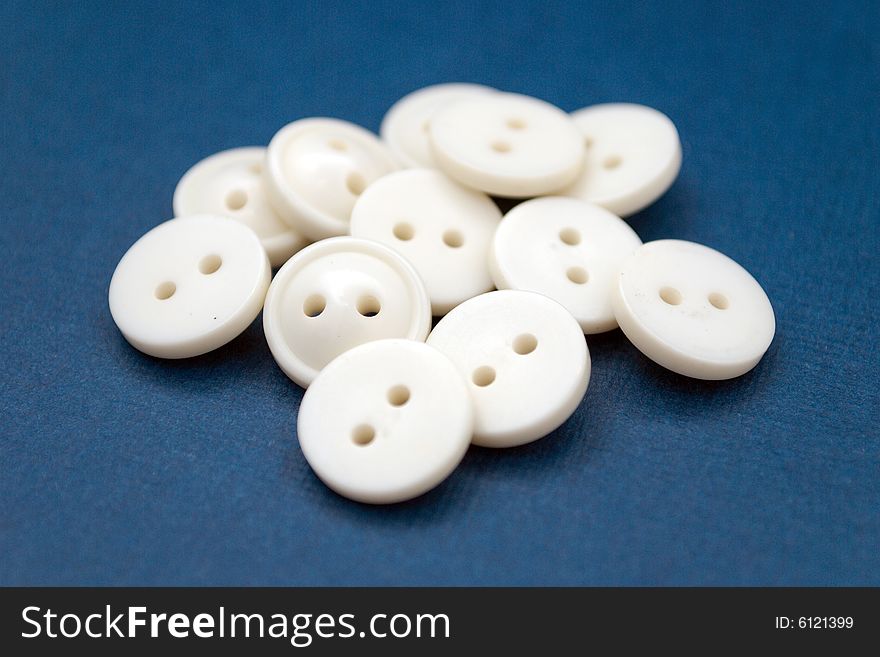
(368, 306)
(355, 183)
(314, 305)
(670, 295)
(612, 162)
(165, 290)
(210, 264)
(453, 238)
(398, 395)
(525, 344)
(570, 236)
(363, 434)
(236, 199)
(403, 231)
(719, 301)
(577, 275)
(483, 376)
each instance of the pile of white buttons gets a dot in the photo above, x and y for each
(374, 236)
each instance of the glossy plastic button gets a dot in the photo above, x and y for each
(406, 125)
(188, 286)
(525, 359)
(337, 294)
(442, 228)
(231, 183)
(566, 249)
(633, 155)
(507, 144)
(386, 421)
(317, 168)
(693, 310)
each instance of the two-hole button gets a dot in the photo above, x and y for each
(693, 310)
(525, 358)
(386, 421)
(337, 294)
(189, 286)
(567, 249)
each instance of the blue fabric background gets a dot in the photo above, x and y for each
(118, 468)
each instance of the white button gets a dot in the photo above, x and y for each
(442, 228)
(525, 359)
(317, 168)
(633, 156)
(231, 183)
(188, 286)
(693, 310)
(566, 249)
(337, 294)
(406, 125)
(386, 421)
(507, 144)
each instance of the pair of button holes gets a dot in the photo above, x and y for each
(367, 305)
(364, 434)
(405, 232)
(503, 146)
(523, 344)
(610, 162)
(354, 181)
(673, 297)
(207, 266)
(571, 237)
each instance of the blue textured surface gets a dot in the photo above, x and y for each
(122, 469)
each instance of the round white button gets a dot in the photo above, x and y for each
(567, 249)
(525, 359)
(231, 183)
(442, 228)
(507, 144)
(189, 285)
(406, 125)
(386, 421)
(317, 168)
(633, 156)
(693, 310)
(336, 294)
